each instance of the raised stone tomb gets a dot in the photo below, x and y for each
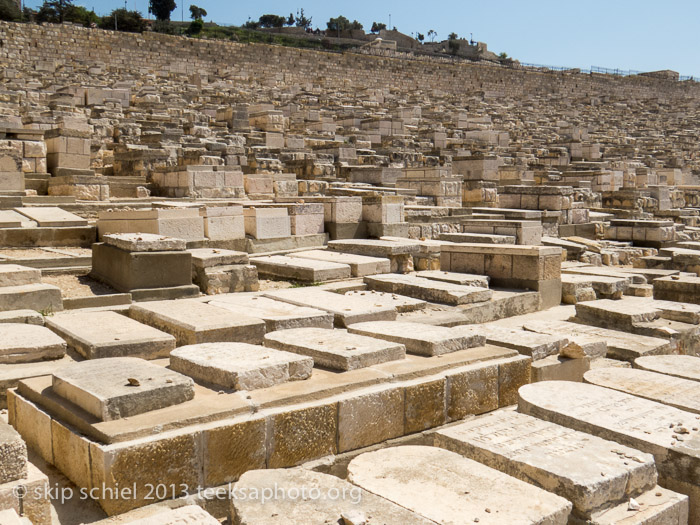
(360, 265)
(27, 343)
(296, 269)
(427, 289)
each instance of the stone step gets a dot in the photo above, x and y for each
(427, 289)
(420, 339)
(308, 270)
(336, 349)
(448, 488)
(44, 298)
(594, 474)
(629, 420)
(347, 309)
(360, 265)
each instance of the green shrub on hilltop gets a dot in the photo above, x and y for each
(9, 11)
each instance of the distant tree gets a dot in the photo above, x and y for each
(341, 23)
(432, 34)
(453, 45)
(197, 13)
(421, 37)
(195, 27)
(453, 36)
(301, 20)
(9, 11)
(377, 27)
(290, 19)
(251, 24)
(271, 21)
(161, 9)
(503, 56)
(128, 21)
(59, 11)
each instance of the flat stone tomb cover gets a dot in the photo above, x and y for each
(119, 387)
(188, 515)
(302, 269)
(400, 302)
(465, 279)
(684, 366)
(419, 339)
(360, 265)
(674, 391)
(144, 242)
(357, 504)
(593, 473)
(109, 334)
(26, 343)
(427, 289)
(276, 314)
(240, 366)
(52, 217)
(534, 344)
(336, 349)
(17, 275)
(448, 488)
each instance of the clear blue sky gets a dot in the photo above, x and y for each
(641, 35)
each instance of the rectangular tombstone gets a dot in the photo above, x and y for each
(194, 322)
(632, 421)
(96, 335)
(465, 279)
(447, 488)
(360, 265)
(239, 366)
(593, 473)
(17, 275)
(52, 217)
(308, 270)
(121, 387)
(420, 339)
(336, 349)
(27, 343)
(267, 223)
(537, 346)
(428, 290)
(400, 302)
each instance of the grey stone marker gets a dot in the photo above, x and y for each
(119, 387)
(239, 366)
(26, 343)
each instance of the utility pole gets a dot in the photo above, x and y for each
(389, 22)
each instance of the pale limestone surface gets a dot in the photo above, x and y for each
(187, 515)
(51, 216)
(276, 314)
(402, 303)
(360, 265)
(109, 334)
(428, 290)
(25, 343)
(419, 338)
(684, 366)
(310, 270)
(13, 455)
(464, 279)
(239, 366)
(538, 346)
(448, 488)
(336, 349)
(17, 275)
(144, 242)
(119, 387)
(208, 257)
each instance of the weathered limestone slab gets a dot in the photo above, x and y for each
(592, 473)
(400, 302)
(181, 223)
(399, 253)
(210, 257)
(419, 338)
(40, 297)
(482, 238)
(428, 290)
(276, 314)
(35, 504)
(683, 366)
(187, 515)
(22, 316)
(17, 275)
(239, 366)
(538, 346)
(267, 223)
(336, 349)
(668, 390)
(309, 270)
(144, 242)
(11, 219)
(559, 368)
(13, 454)
(194, 322)
(629, 420)
(12, 374)
(658, 505)
(52, 217)
(26, 343)
(360, 265)
(108, 334)
(448, 488)
(346, 309)
(464, 279)
(619, 345)
(355, 507)
(121, 387)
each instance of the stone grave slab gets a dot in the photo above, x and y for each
(13, 454)
(360, 265)
(536, 345)
(356, 507)
(309, 270)
(98, 334)
(187, 515)
(120, 387)
(659, 505)
(668, 390)
(52, 217)
(276, 314)
(400, 254)
(465, 279)
(193, 322)
(40, 297)
(239, 366)
(11, 219)
(336, 349)
(144, 242)
(629, 420)
(418, 338)
(683, 366)
(428, 290)
(22, 316)
(448, 488)
(346, 309)
(17, 275)
(400, 302)
(26, 343)
(592, 473)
